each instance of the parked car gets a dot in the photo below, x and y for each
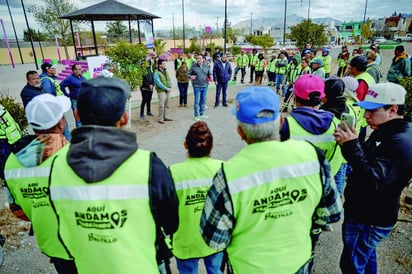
(406, 38)
(379, 40)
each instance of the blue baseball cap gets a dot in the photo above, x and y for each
(325, 49)
(253, 100)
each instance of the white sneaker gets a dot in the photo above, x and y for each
(206, 107)
(204, 117)
(197, 118)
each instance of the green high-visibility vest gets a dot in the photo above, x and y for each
(107, 226)
(369, 81)
(260, 65)
(271, 65)
(281, 70)
(326, 141)
(30, 189)
(327, 61)
(274, 188)
(242, 60)
(59, 92)
(193, 179)
(294, 71)
(9, 129)
(365, 77)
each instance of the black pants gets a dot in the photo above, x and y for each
(64, 266)
(252, 71)
(146, 100)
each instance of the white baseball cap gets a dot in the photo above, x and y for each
(45, 111)
(383, 94)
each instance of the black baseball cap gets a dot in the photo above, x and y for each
(102, 101)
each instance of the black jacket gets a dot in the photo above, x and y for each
(148, 80)
(382, 167)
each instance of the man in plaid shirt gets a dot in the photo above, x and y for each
(265, 201)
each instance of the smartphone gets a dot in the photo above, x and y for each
(348, 118)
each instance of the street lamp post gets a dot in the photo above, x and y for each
(31, 37)
(284, 23)
(174, 33)
(251, 27)
(364, 14)
(15, 34)
(225, 36)
(184, 36)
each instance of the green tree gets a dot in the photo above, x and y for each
(37, 35)
(232, 34)
(116, 31)
(194, 47)
(307, 31)
(366, 31)
(265, 41)
(48, 16)
(235, 50)
(128, 58)
(159, 46)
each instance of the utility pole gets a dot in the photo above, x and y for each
(251, 25)
(284, 23)
(15, 34)
(184, 37)
(31, 37)
(217, 25)
(309, 10)
(174, 33)
(225, 28)
(364, 14)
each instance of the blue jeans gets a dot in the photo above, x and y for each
(221, 87)
(182, 92)
(200, 100)
(74, 107)
(279, 81)
(242, 71)
(340, 178)
(66, 132)
(190, 266)
(359, 247)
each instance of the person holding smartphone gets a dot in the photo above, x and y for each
(381, 168)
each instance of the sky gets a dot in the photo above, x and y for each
(202, 13)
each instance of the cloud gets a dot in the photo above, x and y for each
(212, 12)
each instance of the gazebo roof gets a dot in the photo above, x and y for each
(109, 10)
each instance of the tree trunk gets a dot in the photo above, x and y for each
(66, 51)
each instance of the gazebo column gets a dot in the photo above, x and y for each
(94, 38)
(74, 43)
(138, 30)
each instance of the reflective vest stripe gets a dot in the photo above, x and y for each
(27, 172)
(314, 138)
(265, 176)
(103, 192)
(193, 183)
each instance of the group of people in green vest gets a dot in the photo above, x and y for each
(102, 204)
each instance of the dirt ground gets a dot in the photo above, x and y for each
(23, 256)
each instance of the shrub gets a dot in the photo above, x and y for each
(406, 82)
(16, 110)
(128, 58)
(235, 50)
